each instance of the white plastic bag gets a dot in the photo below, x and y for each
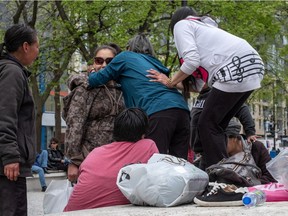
(56, 196)
(278, 167)
(164, 181)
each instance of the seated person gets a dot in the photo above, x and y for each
(40, 167)
(96, 186)
(56, 159)
(259, 152)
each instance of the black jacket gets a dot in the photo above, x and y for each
(262, 157)
(17, 117)
(243, 114)
(54, 158)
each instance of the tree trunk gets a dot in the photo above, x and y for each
(57, 113)
(38, 125)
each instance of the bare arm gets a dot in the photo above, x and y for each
(162, 78)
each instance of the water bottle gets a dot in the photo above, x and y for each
(254, 198)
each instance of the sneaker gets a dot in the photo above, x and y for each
(220, 194)
(44, 188)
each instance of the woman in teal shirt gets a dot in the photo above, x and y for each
(167, 110)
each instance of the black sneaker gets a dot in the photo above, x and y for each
(221, 195)
(44, 188)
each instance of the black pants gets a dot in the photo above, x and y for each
(170, 130)
(13, 197)
(218, 110)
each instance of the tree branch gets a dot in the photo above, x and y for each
(18, 13)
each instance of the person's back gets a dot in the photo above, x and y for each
(130, 69)
(96, 185)
(169, 123)
(221, 54)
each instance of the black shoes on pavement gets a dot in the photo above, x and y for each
(220, 194)
(44, 188)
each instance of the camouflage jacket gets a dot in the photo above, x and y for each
(89, 115)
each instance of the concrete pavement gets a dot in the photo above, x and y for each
(35, 208)
(277, 209)
(35, 203)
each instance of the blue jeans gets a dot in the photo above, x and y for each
(42, 159)
(41, 162)
(40, 172)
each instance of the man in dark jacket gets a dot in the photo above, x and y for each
(56, 158)
(17, 118)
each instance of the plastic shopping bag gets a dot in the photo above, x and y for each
(275, 192)
(278, 167)
(164, 181)
(56, 196)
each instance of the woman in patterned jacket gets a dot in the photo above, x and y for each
(90, 113)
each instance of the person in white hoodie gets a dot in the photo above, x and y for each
(226, 63)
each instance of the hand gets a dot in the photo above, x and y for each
(158, 77)
(73, 172)
(91, 69)
(252, 138)
(12, 171)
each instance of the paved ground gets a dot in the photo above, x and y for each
(35, 200)
(35, 203)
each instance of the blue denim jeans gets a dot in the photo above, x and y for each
(42, 159)
(40, 172)
(41, 162)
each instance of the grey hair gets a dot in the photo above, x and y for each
(141, 44)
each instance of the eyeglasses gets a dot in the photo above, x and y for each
(100, 60)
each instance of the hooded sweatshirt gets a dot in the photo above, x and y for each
(130, 70)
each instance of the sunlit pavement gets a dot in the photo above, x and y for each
(35, 208)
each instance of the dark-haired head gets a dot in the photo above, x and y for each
(181, 14)
(54, 141)
(140, 44)
(18, 34)
(130, 125)
(113, 50)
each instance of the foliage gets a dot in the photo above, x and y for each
(68, 27)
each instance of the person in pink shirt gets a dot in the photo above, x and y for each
(96, 186)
